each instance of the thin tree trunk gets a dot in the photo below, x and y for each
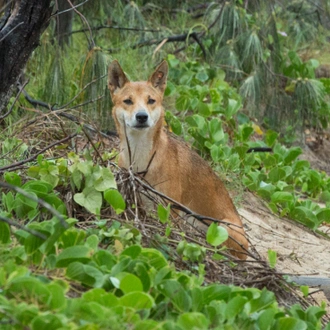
(20, 31)
(64, 23)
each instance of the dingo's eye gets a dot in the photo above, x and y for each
(151, 101)
(128, 101)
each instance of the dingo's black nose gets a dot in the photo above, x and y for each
(141, 117)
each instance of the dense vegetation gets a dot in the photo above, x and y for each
(243, 74)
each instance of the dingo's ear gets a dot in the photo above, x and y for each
(158, 78)
(116, 76)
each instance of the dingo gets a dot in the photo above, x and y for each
(171, 167)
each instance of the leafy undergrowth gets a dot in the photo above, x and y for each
(207, 112)
(120, 267)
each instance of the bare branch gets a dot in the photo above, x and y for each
(19, 226)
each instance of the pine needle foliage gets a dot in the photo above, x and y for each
(251, 88)
(230, 61)
(308, 95)
(132, 15)
(250, 42)
(55, 85)
(303, 21)
(94, 83)
(231, 22)
(252, 50)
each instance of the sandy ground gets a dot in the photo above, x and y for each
(299, 250)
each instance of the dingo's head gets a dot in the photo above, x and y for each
(137, 105)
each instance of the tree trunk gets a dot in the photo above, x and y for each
(64, 23)
(20, 30)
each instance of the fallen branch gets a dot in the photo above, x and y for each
(19, 226)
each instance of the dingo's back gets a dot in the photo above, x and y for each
(169, 165)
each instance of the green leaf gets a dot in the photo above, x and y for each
(176, 294)
(59, 229)
(270, 138)
(13, 178)
(73, 236)
(77, 178)
(246, 133)
(104, 259)
(266, 319)
(276, 174)
(272, 258)
(4, 232)
(216, 130)
(154, 258)
(130, 283)
(32, 242)
(265, 299)
(85, 167)
(106, 180)
(23, 205)
(323, 215)
(100, 296)
(305, 290)
(290, 323)
(191, 251)
(137, 300)
(50, 174)
(232, 108)
(235, 306)
(300, 165)
(269, 161)
(29, 289)
(292, 154)
(142, 272)
(71, 254)
(8, 201)
(92, 242)
(174, 122)
(132, 251)
(233, 162)
(194, 320)
(282, 197)
(90, 199)
(47, 321)
(147, 325)
(197, 121)
(116, 200)
(216, 234)
(202, 76)
(164, 213)
(266, 190)
(58, 300)
(182, 102)
(203, 109)
(85, 274)
(305, 216)
(170, 89)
